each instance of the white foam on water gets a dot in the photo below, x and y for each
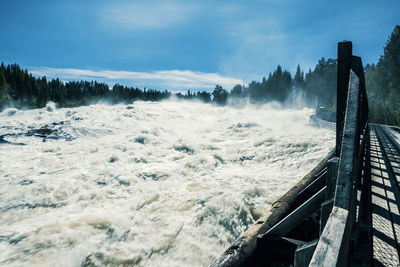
(147, 184)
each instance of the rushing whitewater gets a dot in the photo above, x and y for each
(148, 184)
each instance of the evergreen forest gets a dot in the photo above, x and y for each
(314, 88)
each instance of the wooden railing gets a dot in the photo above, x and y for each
(291, 233)
(335, 243)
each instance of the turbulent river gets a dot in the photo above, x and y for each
(147, 184)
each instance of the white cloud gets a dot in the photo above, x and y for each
(169, 79)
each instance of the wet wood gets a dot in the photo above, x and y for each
(332, 240)
(244, 247)
(295, 217)
(344, 63)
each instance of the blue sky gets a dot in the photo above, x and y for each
(186, 44)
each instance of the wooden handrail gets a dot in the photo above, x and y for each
(334, 243)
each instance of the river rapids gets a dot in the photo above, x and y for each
(149, 184)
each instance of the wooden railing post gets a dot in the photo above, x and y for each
(343, 74)
(331, 178)
(335, 242)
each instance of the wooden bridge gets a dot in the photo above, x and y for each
(345, 212)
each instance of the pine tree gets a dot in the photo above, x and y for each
(220, 95)
(298, 81)
(5, 97)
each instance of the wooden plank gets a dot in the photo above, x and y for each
(303, 254)
(363, 240)
(344, 64)
(334, 243)
(331, 240)
(347, 162)
(384, 246)
(326, 209)
(386, 211)
(331, 177)
(383, 240)
(296, 217)
(313, 188)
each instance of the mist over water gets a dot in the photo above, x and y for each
(148, 184)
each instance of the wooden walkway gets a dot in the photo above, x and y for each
(384, 157)
(376, 234)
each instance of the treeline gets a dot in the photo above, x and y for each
(203, 96)
(20, 89)
(316, 88)
(383, 83)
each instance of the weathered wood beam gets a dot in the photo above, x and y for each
(332, 240)
(334, 243)
(331, 177)
(347, 163)
(344, 64)
(295, 218)
(303, 254)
